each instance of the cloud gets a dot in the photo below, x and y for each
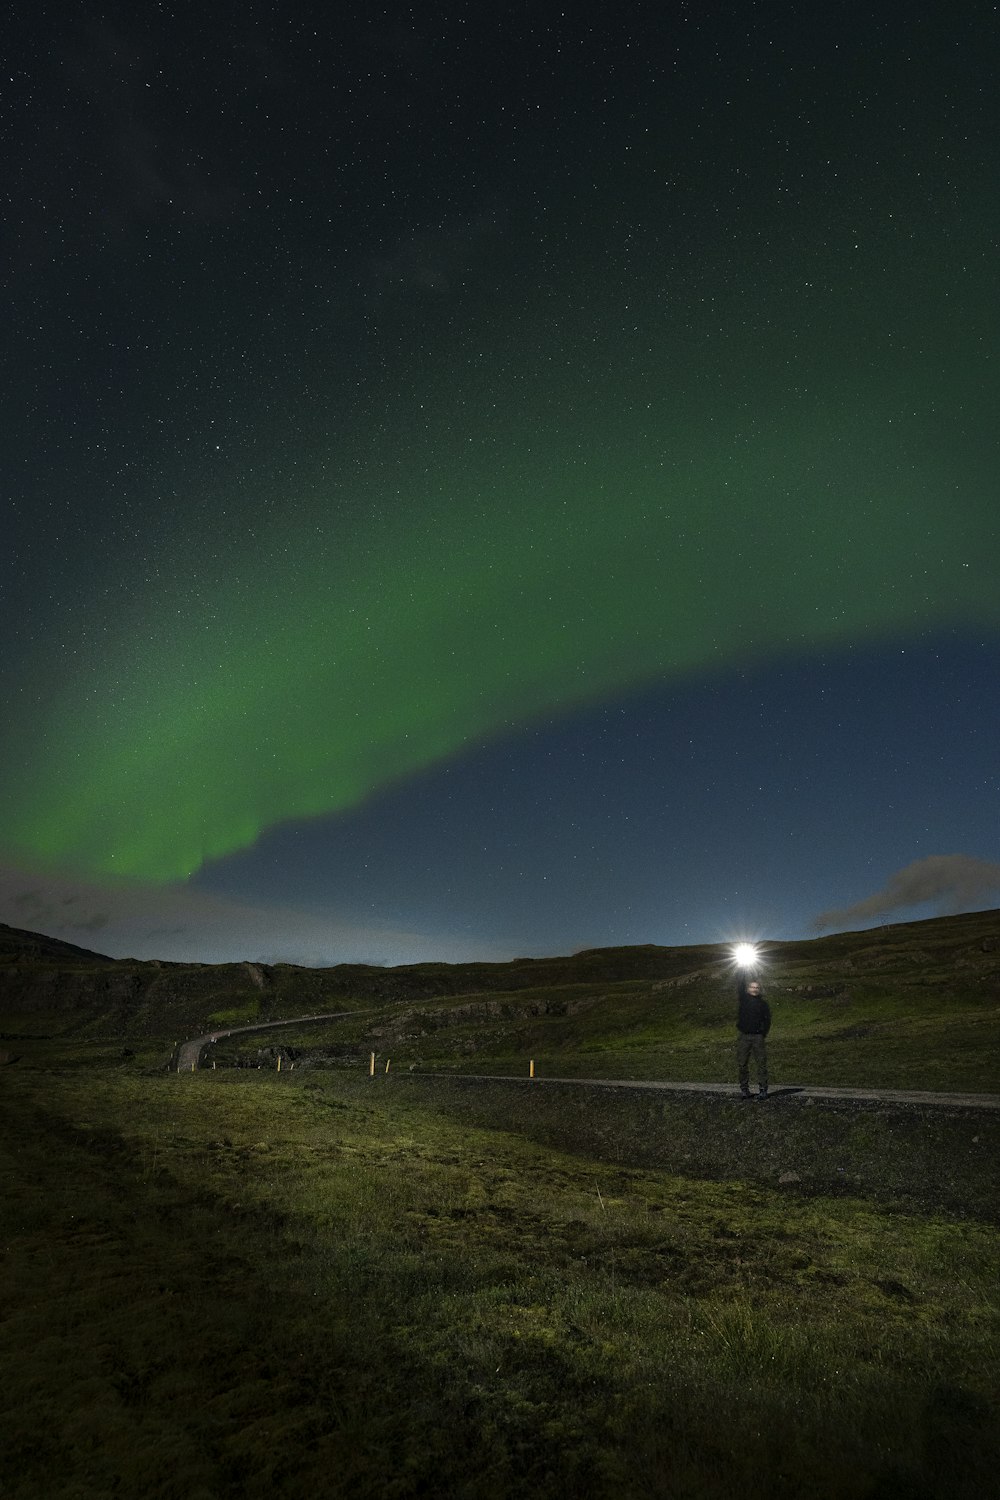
(956, 882)
(66, 910)
(184, 924)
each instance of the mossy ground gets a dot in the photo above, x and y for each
(251, 1283)
(258, 1284)
(897, 1036)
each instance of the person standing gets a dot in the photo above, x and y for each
(753, 1022)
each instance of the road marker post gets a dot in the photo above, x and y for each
(387, 1065)
(531, 1068)
(371, 1067)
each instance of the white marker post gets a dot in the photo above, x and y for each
(371, 1067)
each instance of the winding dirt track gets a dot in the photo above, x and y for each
(189, 1057)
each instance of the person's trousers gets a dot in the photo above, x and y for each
(751, 1045)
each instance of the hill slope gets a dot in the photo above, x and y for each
(17, 945)
(913, 1005)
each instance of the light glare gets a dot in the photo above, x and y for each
(745, 955)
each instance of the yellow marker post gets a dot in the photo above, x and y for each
(371, 1067)
(531, 1068)
(193, 1066)
(279, 1062)
(387, 1065)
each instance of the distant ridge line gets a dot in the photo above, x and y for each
(40, 945)
(20, 941)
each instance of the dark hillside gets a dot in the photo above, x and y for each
(17, 945)
(627, 992)
(914, 1006)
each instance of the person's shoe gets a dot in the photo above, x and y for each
(762, 1094)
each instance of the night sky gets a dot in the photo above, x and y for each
(481, 481)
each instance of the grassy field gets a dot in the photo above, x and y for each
(912, 1005)
(242, 1282)
(915, 1006)
(878, 1038)
(628, 1033)
(246, 1283)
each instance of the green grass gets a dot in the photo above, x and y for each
(244, 1014)
(914, 1006)
(876, 1038)
(315, 1283)
(248, 1284)
(899, 1157)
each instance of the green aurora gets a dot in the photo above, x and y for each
(591, 502)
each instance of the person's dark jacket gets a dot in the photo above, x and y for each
(754, 1018)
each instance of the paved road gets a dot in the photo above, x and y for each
(189, 1056)
(189, 1053)
(777, 1091)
